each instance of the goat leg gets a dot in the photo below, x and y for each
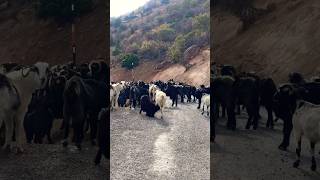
(98, 157)
(93, 133)
(298, 152)
(66, 133)
(313, 160)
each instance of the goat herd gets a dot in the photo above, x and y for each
(152, 96)
(296, 103)
(33, 96)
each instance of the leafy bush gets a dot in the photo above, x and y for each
(117, 49)
(61, 10)
(133, 48)
(129, 61)
(164, 32)
(122, 27)
(190, 38)
(160, 19)
(189, 3)
(153, 49)
(116, 22)
(177, 49)
(116, 52)
(202, 22)
(185, 28)
(149, 49)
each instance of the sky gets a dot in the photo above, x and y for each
(121, 7)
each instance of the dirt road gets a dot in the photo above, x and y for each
(176, 147)
(254, 155)
(52, 161)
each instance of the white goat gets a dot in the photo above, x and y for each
(15, 96)
(306, 122)
(152, 90)
(206, 102)
(112, 96)
(160, 98)
(114, 99)
(112, 93)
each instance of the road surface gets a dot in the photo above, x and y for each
(176, 147)
(52, 162)
(254, 155)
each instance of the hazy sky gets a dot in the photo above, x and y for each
(121, 7)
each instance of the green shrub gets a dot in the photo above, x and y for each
(152, 49)
(189, 4)
(190, 38)
(129, 61)
(133, 48)
(149, 49)
(197, 37)
(202, 22)
(164, 32)
(116, 22)
(116, 52)
(177, 49)
(117, 49)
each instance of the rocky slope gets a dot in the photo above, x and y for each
(197, 74)
(25, 38)
(285, 40)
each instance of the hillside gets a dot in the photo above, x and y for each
(197, 74)
(286, 39)
(169, 37)
(25, 38)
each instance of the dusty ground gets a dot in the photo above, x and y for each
(248, 154)
(150, 148)
(52, 161)
(196, 75)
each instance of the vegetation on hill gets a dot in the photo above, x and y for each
(161, 30)
(129, 61)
